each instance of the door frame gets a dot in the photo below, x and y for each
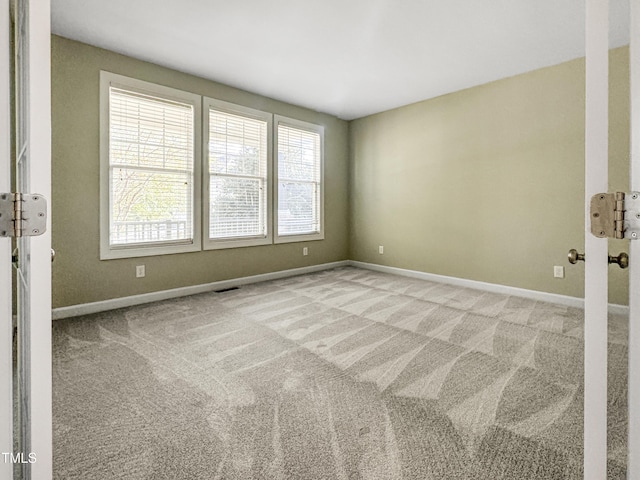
(6, 321)
(633, 462)
(39, 127)
(596, 250)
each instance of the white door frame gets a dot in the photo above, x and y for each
(633, 464)
(6, 329)
(596, 249)
(39, 94)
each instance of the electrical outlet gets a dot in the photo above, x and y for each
(558, 271)
(380, 249)
(140, 271)
(305, 251)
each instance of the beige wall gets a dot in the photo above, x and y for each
(78, 274)
(486, 183)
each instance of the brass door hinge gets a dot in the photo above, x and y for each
(22, 214)
(615, 215)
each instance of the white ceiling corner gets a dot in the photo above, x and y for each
(349, 58)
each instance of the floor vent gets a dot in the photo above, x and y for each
(222, 290)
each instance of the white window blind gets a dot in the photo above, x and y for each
(238, 166)
(151, 169)
(299, 181)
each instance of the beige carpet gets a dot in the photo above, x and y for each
(343, 374)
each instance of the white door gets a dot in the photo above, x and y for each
(596, 249)
(25, 376)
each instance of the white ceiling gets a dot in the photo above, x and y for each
(350, 58)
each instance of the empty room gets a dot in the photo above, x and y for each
(320, 240)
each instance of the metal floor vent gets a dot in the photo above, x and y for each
(222, 290)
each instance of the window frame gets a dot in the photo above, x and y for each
(310, 127)
(108, 251)
(208, 243)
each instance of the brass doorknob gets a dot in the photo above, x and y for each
(622, 260)
(575, 257)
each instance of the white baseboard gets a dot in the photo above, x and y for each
(489, 287)
(104, 305)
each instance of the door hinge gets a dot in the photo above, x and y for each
(22, 214)
(615, 215)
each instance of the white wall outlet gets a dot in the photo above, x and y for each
(558, 271)
(140, 271)
(305, 251)
(380, 249)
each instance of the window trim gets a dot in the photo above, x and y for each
(226, 107)
(107, 251)
(310, 127)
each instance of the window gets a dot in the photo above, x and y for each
(238, 166)
(150, 168)
(179, 171)
(299, 175)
